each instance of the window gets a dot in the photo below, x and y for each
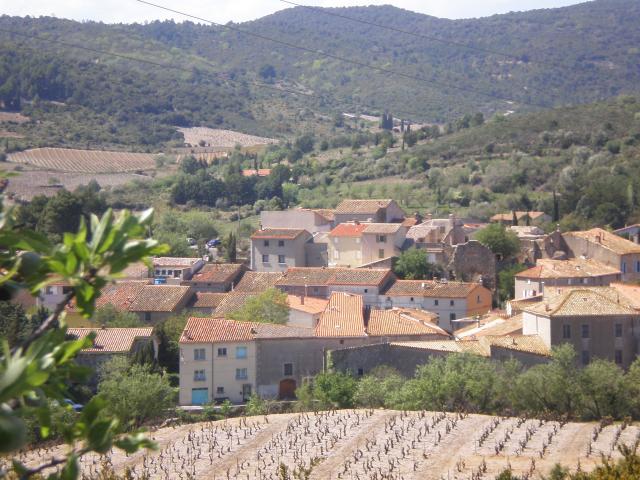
(241, 352)
(618, 329)
(478, 299)
(638, 266)
(336, 255)
(169, 272)
(266, 243)
(281, 259)
(222, 352)
(618, 357)
(176, 273)
(265, 258)
(585, 357)
(198, 376)
(360, 372)
(164, 272)
(241, 374)
(411, 299)
(366, 290)
(198, 354)
(452, 316)
(585, 280)
(436, 302)
(147, 316)
(220, 390)
(288, 369)
(452, 303)
(585, 330)
(381, 253)
(566, 331)
(624, 267)
(381, 239)
(49, 291)
(281, 243)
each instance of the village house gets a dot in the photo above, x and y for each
(175, 270)
(593, 320)
(207, 302)
(111, 342)
(305, 311)
(216, 277)
(549, 275)
(607, 248)
(257, 282)
(449, 300)
(522, 218)
(630, 232)
(224, 359)
(357, 244)
(372, 211)
(434, 233)
(313, 221)
(53, 294)
(276, 249)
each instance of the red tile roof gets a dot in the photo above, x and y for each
(307, 304)
(608, 240)
(323, 276)
(396, 322)
(362, 206)
(348, 230)
(571, 268)
(160, 298)
(219, 330)
(111, 340)
(257, 282)
(343, 317)
(121, 295)
(208, 300)
(430, 288)
(217, 273)
(278, 233)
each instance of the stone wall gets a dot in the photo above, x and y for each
(472, 262)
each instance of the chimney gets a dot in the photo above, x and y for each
(546, 307)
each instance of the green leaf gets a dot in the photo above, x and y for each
(133, 443)
(71, 471)
(100, 435)
(13, 432)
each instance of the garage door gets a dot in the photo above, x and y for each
(199, 396)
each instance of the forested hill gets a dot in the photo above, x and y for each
(575, 54)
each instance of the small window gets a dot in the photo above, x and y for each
(281, 259)
(618, 356)
(281, 243)
(316, 290)
(222, 352)
(452, 316)
(265, 243)
(366, 290)
(360, 372)
(49, 291)
(624, 267)
(265, 258)
(478, 299)
(566, 331)
(341, 342)
(638, 266)
(382, 239)
(288, 369)
(585, 330)
(199, 376)
(164, 272)
(241, 374)
(436, 302)
(241, 352)
(452, 303)
(381, 253)
(220, 390)
(585, 357)
(147, 316)
(176, 273)
(411, 299)
(618, 330)
(199, 354)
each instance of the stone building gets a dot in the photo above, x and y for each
(275, 250)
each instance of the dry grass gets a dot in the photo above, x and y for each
(368, 444)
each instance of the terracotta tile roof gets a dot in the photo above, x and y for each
(261, 172)
(208, 300)
(630, 294)
(608, 240)
(174, 261)
(572, 268)
(518, 306)
(257, 281)
(233, 301)
(492, 325)
(580, 302)
(430, 288)
(322, 276)
(399, 322)
(362, 206)
(278, 233)
(382, 228)
(348, 230)
(448, 346)
(219, 330)
(217, 273)
(160, 298)
(111, 340)
(136, 271)
(409, 222)
(343, 317)
(519, 215)
(622, 293)
(311, 305)
(121, 295)
(521, 343)
(328, 214)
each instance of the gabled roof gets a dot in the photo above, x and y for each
(607, 240)
(217, 273)
(160, 298)
(343, 317)
(257, 282)
(307, 304)
(328, 214)
(430, 288)
(233, 301)
(571, 268)
(521, 343)
(382, 228)
(278, 234)
(630, 294)
(121, 295)
(208, 300)
(111, 340)
(491, 325)
(174, 261)
(580, 302)
(217, 330)
(348, 230)
(323, 276)
(400, 322)
(362, 206)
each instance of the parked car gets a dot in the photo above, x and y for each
(76, 406)
(191, 241)
(213, 243)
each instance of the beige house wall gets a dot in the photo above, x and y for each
(626, 263)
(298, 318)
(526, 287)
(371, 246)
(293, 251)
(345, 252)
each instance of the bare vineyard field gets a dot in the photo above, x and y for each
(13, 117)
(27, 184)
(366, 444)
(221, 138)
(85, 161)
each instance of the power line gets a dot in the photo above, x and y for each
(423, 36)
(346, 60)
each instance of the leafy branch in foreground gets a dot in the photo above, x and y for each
(39, 370)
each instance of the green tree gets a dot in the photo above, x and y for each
(499, 240)
(602, 391)
(374, 390)
(334, 389)
(506, 281)
(230, 248)
(413, 265)
(169, 332)
(15, 325)
(269, 306)
(110, 316)
(133, 392)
